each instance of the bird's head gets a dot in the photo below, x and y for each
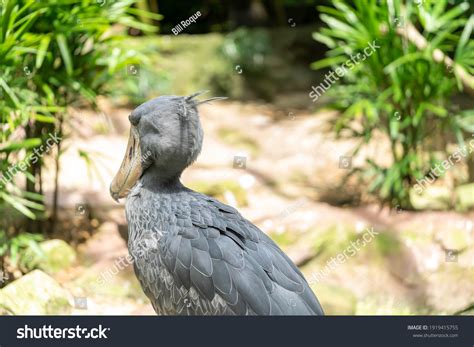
(165, 138)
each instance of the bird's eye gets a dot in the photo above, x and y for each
(134, 119)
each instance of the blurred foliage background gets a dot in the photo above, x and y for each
(401, 90)
(60, 57)
(53, 54)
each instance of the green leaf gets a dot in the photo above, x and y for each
(403, 60)
(17, 205)
(24, 144)
(31, 18)
(11, 95)
(66, 55)
(44, 119)
(323, 63)
(451, 14)
(42, 51)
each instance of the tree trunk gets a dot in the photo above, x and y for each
(470, 166)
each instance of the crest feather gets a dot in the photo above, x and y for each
(196, 102)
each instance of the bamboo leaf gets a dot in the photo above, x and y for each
(17, 205)
(10, 93)
(42, 51)
(24, 144)
(66, 55)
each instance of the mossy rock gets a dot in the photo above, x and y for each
(449, 290)
(465, 197)
(469, 311)
(35, 294)
(342, 241)
(53, 256)
(286, 238)
(219, 190)
(335, 300)
(432, 198)
(113, 282)
(455, 239)
(333, 240)
(237, 139)
(386, 244)
(417, 237)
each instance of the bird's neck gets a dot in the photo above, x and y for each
(161, 179)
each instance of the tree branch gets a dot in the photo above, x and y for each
(411, 34)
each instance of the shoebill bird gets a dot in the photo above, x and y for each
(194, 255)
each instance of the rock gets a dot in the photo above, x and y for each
(5, 310)
(465, 197)
(387, 306)
(450, 289)
(469, 311)
(335, 300)
(301, 256)
(432, 198)
(35, 294)
(50, 256)
(55, 255)
(333, 241)
(455, 239)
(239, 140)
(418, 254)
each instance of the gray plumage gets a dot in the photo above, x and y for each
(194, 255)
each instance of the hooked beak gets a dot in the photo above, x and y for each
(130, 170)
